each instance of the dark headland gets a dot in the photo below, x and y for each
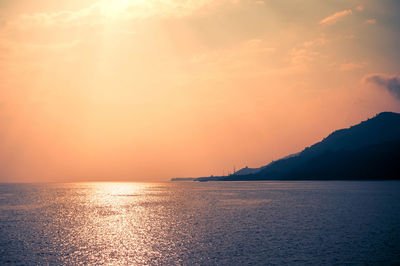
(369, 150)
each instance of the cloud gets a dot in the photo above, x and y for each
(88, 16)
(55, 46)
(306, 53)
(332, 19)
(316, 43)
(370, 21)
(350, 66)
(236, 60)
(302, 56)
(360, 8)
(105, 10)
(389, 82)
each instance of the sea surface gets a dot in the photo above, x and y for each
(190, 223)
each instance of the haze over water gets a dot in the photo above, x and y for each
(134, 90)
(147, 90)
(200, 223)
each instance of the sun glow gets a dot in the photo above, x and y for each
(114, 193)
(116, 8)
(140, 90)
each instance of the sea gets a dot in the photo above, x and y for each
(201, 223)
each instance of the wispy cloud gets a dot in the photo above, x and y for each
(316, 43)
(234, 61)
(360, 8)
(332, 19)
(350, 66)
(390, 82)
(307, 52)
(103, 10)
(370, 21)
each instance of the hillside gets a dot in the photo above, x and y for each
(368, 150)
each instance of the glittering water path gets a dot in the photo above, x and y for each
(200, 223)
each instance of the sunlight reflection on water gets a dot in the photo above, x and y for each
(118, 218)
(200, 223)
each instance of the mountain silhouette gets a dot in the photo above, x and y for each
(369, 150)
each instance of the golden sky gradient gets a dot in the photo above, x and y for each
(148, 90)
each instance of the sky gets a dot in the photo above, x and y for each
(135, 90)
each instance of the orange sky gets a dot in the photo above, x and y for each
(148, 90)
